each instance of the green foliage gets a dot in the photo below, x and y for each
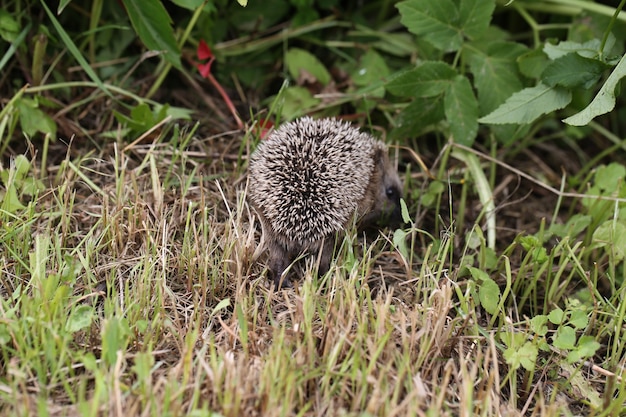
(153, 25)
(501, 72)
(301, 63)
(17, 185)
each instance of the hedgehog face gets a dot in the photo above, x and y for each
(390, 192)
(385, 193)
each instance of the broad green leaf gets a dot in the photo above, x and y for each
(532, 63)
(579, 319)
(461, 110)
(421, 113)
(524, 356)
(435, 21)
(80, 318)
(574, 226)
(609, 177)
(9, 200)
(488, 290)
(565, 338)
(572, 70)
(588, 49)
(489, 295)
(33, 119)
(475, 16)
(296, 101)
(612, 234)
(538, 324)
(9, 26)
(434, 190)
(527, 105)
(22, 166)
(587, 347)
(604, 101)
(115, 335)
(303, 64)
(428, 80)
(399, 242)
(495, 73)
(371, 70)
(556, 316)
(153, 25)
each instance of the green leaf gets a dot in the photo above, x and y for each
(153, 25)
(588, 49)
(575, 225)
(538, 324)
(9, 26)
(612, 234)
(80, 318)
(587, 347)
(495, 72)
(610, 177)
(405, 211)
(604, 101)
(461, 110)
(399, 242)
(579, 319)
(556, 316)
(421, 113)
(489, 295)
(573, 70)
(429, 79)
(475, 16)
(527, 105)
(303, 64)
(525, 356)
(435, 21)
(372, 68)
(9, 200)
(33, 119)
(115, 335)
(434, 190)
(565, 338)
(488, 290)
(532, 63)
(297, 101)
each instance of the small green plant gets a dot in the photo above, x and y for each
(510, 84)
(18, 185)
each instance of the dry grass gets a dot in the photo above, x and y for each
(131, 287)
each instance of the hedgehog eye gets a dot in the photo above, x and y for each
(392, 193)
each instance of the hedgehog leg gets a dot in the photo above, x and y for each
(326, 256)
(278, 262)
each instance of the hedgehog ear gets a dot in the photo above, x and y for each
(380, 157)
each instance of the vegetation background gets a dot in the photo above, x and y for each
(131, 280)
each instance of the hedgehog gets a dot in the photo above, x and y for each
(309, 180)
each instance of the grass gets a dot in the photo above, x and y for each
(131, 286)
(133, 278)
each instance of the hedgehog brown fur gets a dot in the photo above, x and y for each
(309, 179)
